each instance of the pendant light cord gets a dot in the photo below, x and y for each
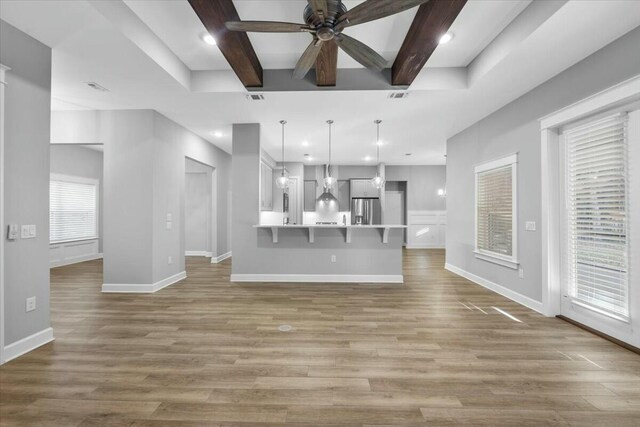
(330, 122)
(283, 122)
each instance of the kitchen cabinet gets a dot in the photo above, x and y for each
(344, 203)
(266, 187)
(363, 188)
(310, 196)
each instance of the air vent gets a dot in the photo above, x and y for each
(96, 86)
(398, 95)
(255, 97)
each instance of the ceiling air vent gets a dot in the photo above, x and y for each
(96, 86)
(255, 97)
(398, 95)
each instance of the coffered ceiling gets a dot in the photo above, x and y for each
(149, 54)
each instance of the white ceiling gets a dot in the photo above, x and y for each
(89, 47)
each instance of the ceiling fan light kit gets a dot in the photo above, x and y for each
(325, 20)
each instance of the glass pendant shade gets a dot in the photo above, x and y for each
(329, 182)
(378, 181)
(283, 180)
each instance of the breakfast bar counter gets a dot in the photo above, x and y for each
(348, 229)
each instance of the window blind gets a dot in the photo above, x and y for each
(494, 201)
(72, 210)
(597, 246)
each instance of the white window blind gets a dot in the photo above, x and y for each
(597, 245)
(72, 209)
(496, 220)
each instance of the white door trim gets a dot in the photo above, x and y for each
(3, 83)
(623, 93)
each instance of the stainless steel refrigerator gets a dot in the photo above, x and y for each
(365, 211)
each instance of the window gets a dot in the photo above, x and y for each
(496, 221)
(596, 230)
(73, 208)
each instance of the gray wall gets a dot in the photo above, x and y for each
(515, 128)
(128, 241)
(26, 185)
(76, 160)
(423, 183)
(144, 180)
(254, 251)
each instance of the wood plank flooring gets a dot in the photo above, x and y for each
(206, 352)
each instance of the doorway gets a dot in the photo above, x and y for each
(198, 214)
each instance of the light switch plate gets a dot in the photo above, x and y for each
(28, 231)
(12, 231)
(530, 226)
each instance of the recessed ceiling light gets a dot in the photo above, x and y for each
(307, 157)
(367, 158)
(217, 134)
(208, 39)
(305, 143)
(446, 38)
(381, 142)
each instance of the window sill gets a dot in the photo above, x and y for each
(62, 242)
(497, 260)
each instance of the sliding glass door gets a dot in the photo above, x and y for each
(600, 219)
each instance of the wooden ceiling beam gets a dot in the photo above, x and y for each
(432, 20)
(234, 45)
(327, 65)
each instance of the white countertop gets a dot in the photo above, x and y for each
(328, 226)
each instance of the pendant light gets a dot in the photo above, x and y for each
(378, 181)
(329, 181)
(283, 181)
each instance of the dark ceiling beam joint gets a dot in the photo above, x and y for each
(234, 45)
(432, 20)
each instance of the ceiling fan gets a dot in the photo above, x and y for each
(325, 21)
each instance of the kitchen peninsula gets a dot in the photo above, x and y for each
(302, 252)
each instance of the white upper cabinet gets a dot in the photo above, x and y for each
(361, 188)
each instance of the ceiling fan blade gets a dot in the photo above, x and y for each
(375, 9)
(266, 26)
(361, 52)
(307, 59)
(320, 8)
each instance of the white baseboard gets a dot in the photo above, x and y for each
(319, 278)
(27, 344)
(198, 253)
(423, 247)
(505, 292)
(75, 260)
(143, 288)
(216, 260)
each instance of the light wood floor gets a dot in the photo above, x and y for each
(207, 352)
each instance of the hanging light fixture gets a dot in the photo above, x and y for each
(282, 181)
(378, 181)
(329, 181)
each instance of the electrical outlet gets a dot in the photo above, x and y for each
(530, 226)
(521, 273)
(169, 225)
(169, 217)
(30, 304)
(169, 260)
(333, 258)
